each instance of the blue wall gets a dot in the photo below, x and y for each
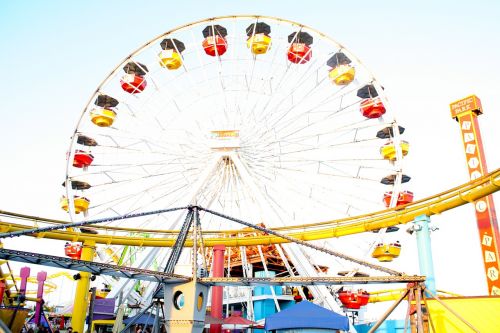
(388, 326)
(266, 290)
(266, 307)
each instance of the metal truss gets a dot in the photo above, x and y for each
(91, 267)
(148, 275)
(300, 281)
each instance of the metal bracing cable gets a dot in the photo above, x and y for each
(84, 223)
(298, 241)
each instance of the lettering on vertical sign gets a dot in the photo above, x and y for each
(475, 175)
(473, 162)
(492, 273)
(495, 290)
(481, 206)
(489, 256)
(470, 148)
(466, 125)
(487, 240)
(468, 137)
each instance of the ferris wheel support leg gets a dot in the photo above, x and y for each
(82, 290)
(426, 264)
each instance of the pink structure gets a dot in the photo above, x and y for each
(25, 274)
(217, 292)
(40, 277)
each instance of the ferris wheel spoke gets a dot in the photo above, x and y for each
(342, 111)
(301, 80)
(295, 103)
(316, 191)
(305, 113)
(129, 139)
(199, 57)
(179, 181)
(109, 185)
(140, 191)
(129, 211)
(339, 133)
(317, 178)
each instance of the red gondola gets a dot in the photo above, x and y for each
(133, 81)
(82, 159)
(73, 250)
(404, 197)
(352, 300)
(299, 53)
(215, 43)
(300, 47)
(214, 46)
(372, 108)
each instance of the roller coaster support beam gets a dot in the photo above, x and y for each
(465, 111)
(82, 290)
(426, 264)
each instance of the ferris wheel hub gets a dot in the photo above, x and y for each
(225, 140)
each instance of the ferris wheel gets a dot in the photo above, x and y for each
(257, 117)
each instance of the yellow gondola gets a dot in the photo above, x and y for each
(81, 204)
(259, 43)
(386, 252)
(170, 59)
(388, 151)
(103, 117)
(342, 75)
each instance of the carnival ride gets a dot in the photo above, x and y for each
(256, 117)
(246, 120)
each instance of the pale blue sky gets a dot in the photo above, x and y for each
(426, 53)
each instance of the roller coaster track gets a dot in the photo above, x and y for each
(148, 275)
(437, 204)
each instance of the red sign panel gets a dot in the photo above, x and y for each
(485, 208)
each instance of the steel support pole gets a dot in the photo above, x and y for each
(3, 285)
(426, 264)
(82, 290)
(418, 303)
(217, 292)
(156, 325)
(388, 312)
(93, 291)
